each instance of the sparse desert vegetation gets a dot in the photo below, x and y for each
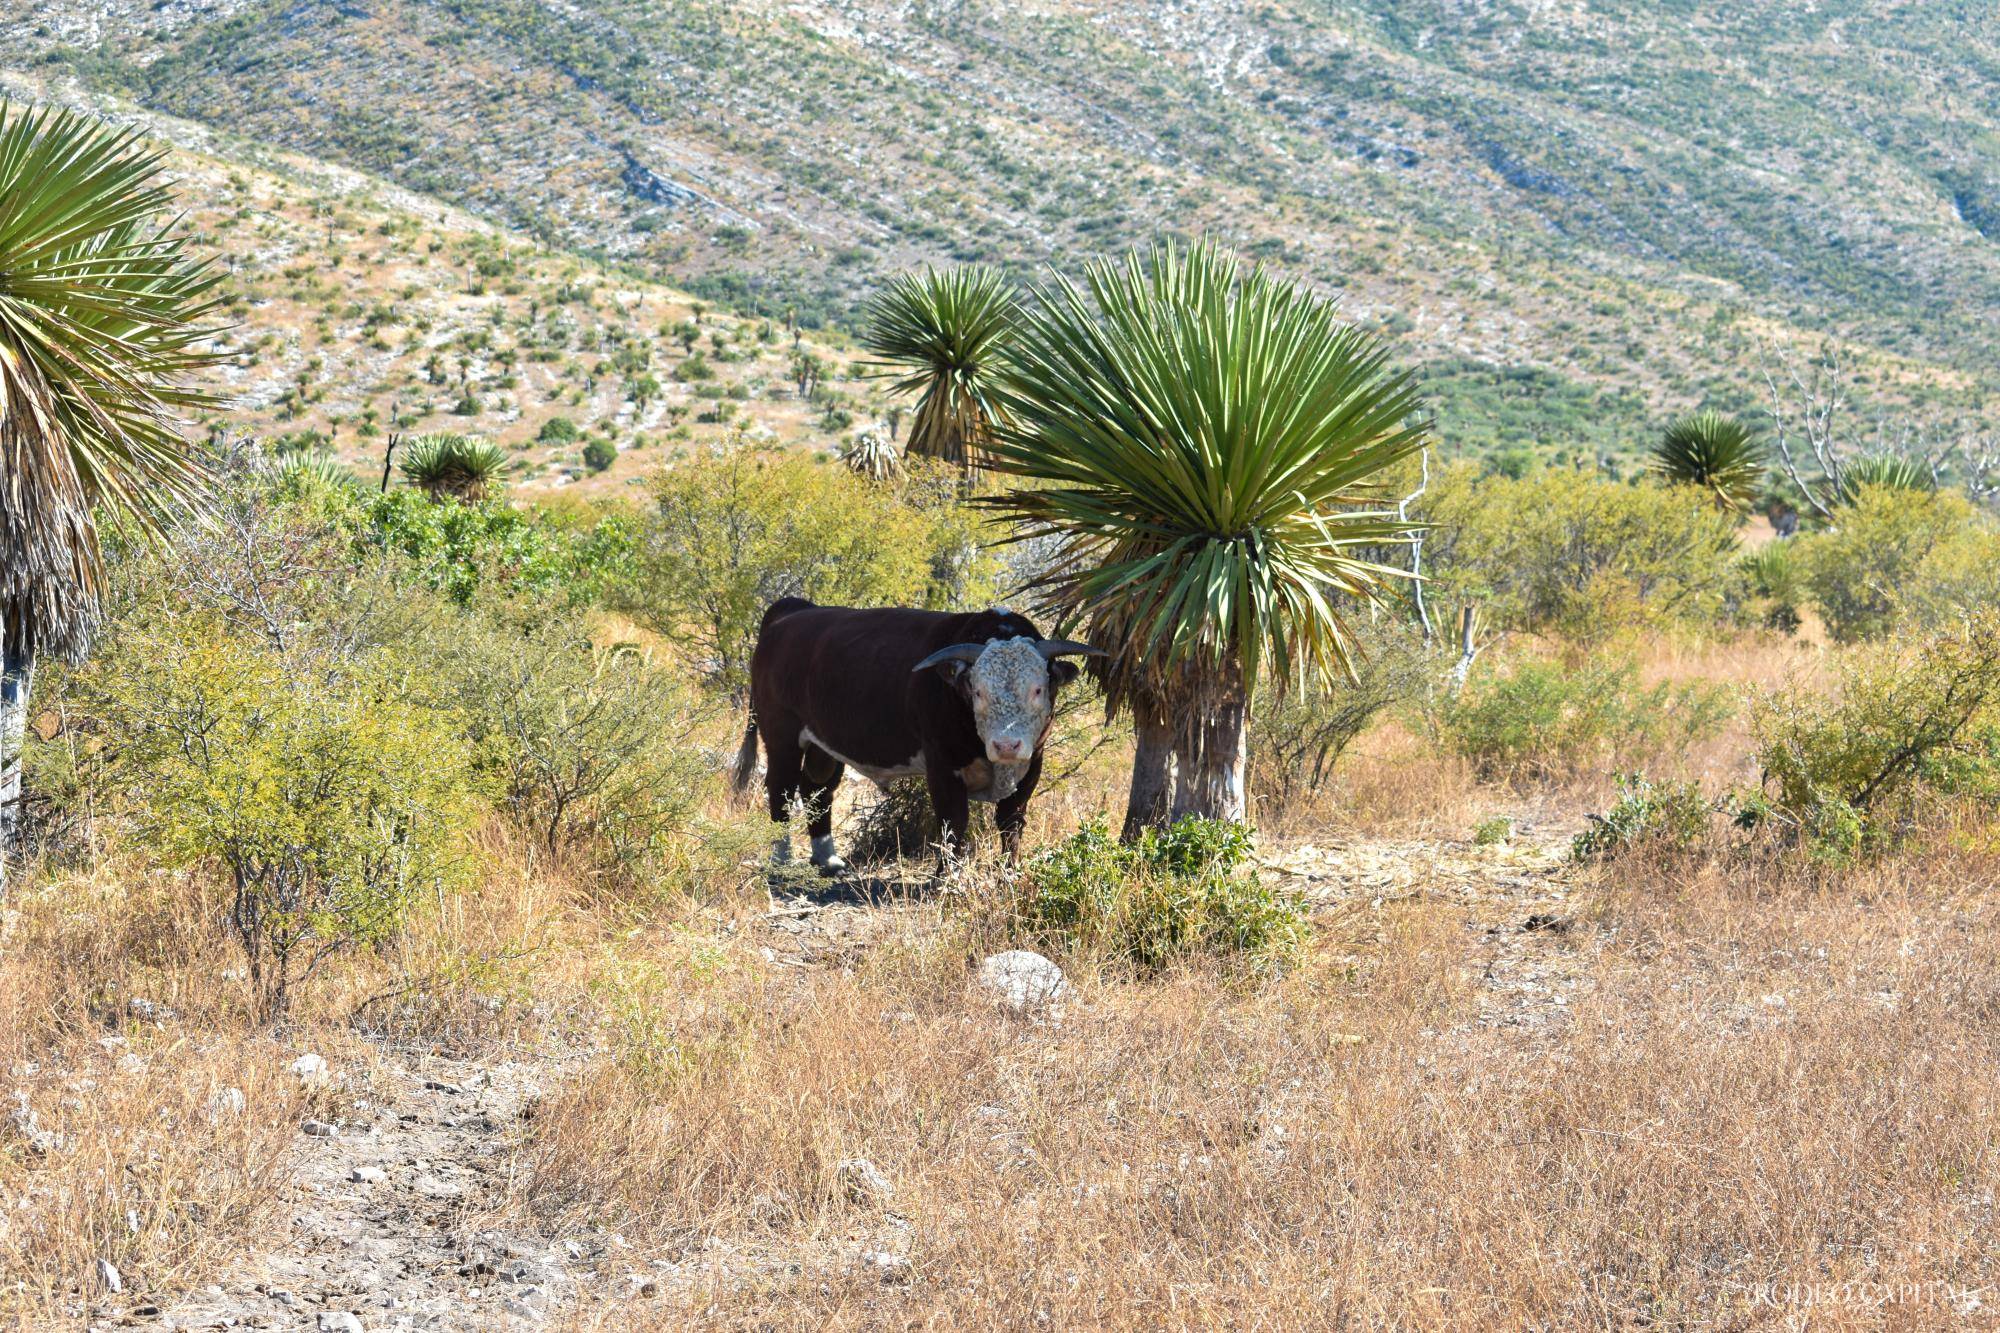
(1593, 931)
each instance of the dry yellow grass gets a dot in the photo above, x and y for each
(1722, 1089)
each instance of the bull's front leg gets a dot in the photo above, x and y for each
(949, 804)
(1012, 814)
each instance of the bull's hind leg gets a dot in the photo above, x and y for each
(783, 760)
(822, 778)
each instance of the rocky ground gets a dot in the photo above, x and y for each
(392, 1215)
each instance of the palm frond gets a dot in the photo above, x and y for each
(1713, 451)
(462, 467)
(1205, 441)
(942, 334)
(102, 326)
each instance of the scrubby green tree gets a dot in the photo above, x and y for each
(732, 531)
(102, 323)
(1568, 552)
(1899, 554)
(943, 333)
(1203, 443)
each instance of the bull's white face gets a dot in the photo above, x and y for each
(1009, 690)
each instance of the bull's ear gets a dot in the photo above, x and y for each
(1062, 673)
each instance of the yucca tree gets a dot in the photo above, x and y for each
(1203, 441)
(1889, 470)
(1716, 452)
(943, 333)
(102, 323)
(459, 467)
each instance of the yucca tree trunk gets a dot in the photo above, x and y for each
(1210, 750)
(17, 672)
(1152, 768)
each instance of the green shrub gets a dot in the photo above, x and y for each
(460, 549)
(1673, 815)
(1908, 723)
(1544, 718)
(1570, 552)
(1493, 831)
(558, 430)
(1174, 894)
(327, 803)
(590, 746)
(1899, 554)
(732, 532)
(599, 454)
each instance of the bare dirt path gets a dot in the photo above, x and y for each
(381, 1225)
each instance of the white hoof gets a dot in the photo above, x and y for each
(825, 857)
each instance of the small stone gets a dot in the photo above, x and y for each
(140, 1009)
(519, 1272)
(339, 1321)
(368, 1175)
(309, 1069)
(108, 1277)
(889, 1267)
(643, 1286)
(1023, 982)
(439, 1085)
(521, 1309)
(864, 1182)
(320, 1129)
(284, 1298)
(225, 1104)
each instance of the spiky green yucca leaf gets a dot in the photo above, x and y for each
(460, 466)
(1206, 441)
(1713, 451)
(1890, 470)
(943, 334)
(101, 325)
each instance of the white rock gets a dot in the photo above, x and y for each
(107, 1276)
(890, 1267)
(320, 1129)
(1023, 982)
(339, 1321)
(309, 1068)
(368, 1175)
(226, 1103)
(864, 1182)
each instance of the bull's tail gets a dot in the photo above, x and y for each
(746, 758)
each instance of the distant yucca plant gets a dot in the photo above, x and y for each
(462, 467)
(1902, 474)
(1713, 451)
(317, 472)
(872, 454)
(944, 333)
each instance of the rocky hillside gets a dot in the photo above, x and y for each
(1580, 213)
(361, 310)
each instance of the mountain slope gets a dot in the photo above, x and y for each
(1621, 199)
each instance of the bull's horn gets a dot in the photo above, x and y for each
(958, 652)
(1068, 648)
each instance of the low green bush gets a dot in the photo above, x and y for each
(1175, 894)
(1899, 556)
(328, 804)
(1544, 718)
(1647, 814)
(1908, 723)
(1573, 553)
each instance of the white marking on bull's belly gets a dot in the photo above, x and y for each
(881, 777)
